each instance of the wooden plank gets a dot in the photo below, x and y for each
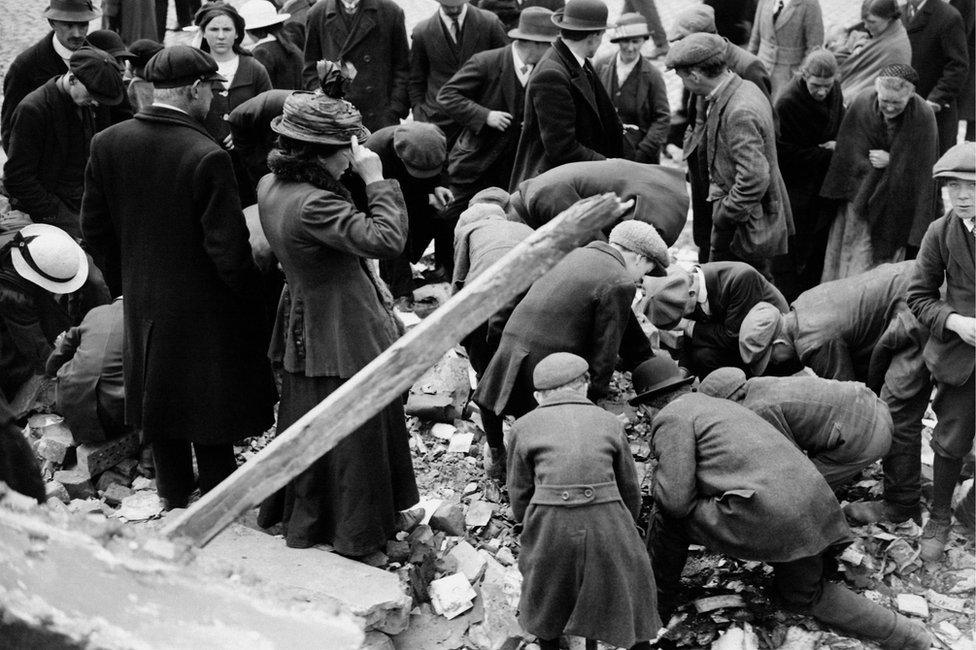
(392, 372)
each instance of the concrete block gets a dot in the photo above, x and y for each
(469, 561)
(56, 490)
(448, 518)
(451, 595)
(95, 458)
(76, 483)
(315, 575)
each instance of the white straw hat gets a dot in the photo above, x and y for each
(50, 258)
(260, 13)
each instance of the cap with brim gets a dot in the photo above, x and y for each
(421, 147)
(535, 24)
(181, 65)
(558, 369)
(630, 26)
(722, 382)
(582, 16)
(757, 332)
(260, 13)
(72, 11)
(696, 49)
(100, 73)
(958, 162)
(50, 258)
(319, 119)
(657, 375)
(698, 18)
(642, 238)
(143, 50)
(666, 306)
(106, 39)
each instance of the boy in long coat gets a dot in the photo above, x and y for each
(573, 482)
(730, 481)
(946, 255)
(842, 426)
(170, 227)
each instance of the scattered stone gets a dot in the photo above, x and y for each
(129, 468)
(114, 494)
(443, 431)
(711, 603)
(95, 458)
(56, 490)
(143, 483)
(441, 393)
(852, 556)
(431, 407)
(470, 562)
(377, 641)
(505, 557)
(912, 604)
(140, 506)
(448, 518)
(451, 595)
(947, 603)
(160, 548)
(53, 449)
(76, 483)
(460, 443)
(56, 504)
(85, 506)
(478, 514)
(109, 478)
(398, 551)
(903, 555)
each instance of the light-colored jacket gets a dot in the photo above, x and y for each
(782, 44)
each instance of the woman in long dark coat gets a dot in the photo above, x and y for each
(810, 109)
(335, 317)
(886, 142)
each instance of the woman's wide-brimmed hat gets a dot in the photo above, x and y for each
(582, 16)
(72, 11)
(311, 117)
(261, 13)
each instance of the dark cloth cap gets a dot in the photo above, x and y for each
(957, 162)
(100, 73)
(723, 382)
(320, 119)
(72, 11)
(143, 50)
(696, 49)
(180, 65)
(900, 71)
(421, 147)
(106, 39)
(656, 376)
(558, 369)
(582, 16)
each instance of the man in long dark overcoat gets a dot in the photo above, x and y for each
(568, 115)
(858, 329)
(170, 228)
(708, 304)
(730, 481)
(372, 38)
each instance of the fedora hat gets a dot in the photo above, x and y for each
(630, 26)
(582, 16)
(656, 375)
(72, 11)
(535, 24)
(49, 257)
(260, 13)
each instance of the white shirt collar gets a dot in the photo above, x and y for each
(169, 106)
(970, 224)
(702, 291)
(579, 59)
(710, 97)
(624, 69)
(519, 63)
(61, 50)
(447, 19)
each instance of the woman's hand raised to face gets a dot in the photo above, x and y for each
(366, 163)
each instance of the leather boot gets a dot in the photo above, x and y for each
(497, 471)
(852, 614)
(861, 513)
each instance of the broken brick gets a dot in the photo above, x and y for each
(95, 458)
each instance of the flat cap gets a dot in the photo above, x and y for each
(100, 73)
(495, 195)
(722, 383)
(421, 147)
(699, 18)
(181, 65)
(759, 328)
(643, 238)
(558, 369)
(666, 306)
(479, 212)
(696, 49)
(959, 162)
(143, 50)
(111, 42)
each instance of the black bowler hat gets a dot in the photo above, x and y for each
(181, 65)
(99, 72)
(656, 375)
(582, 16)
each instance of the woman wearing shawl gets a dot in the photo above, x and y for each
(879, 41)
(809, 109)
(334, 318)
(887, 142)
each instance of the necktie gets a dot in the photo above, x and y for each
(525, 69)
(778, 10)
(455, 29)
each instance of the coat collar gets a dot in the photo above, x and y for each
(162, 115)
(576, 75)
(604, 247)
(363, 24)
(961, 244)
(560, 400)
(716, 110)
(245, 72)
(922, 17)
(510, 85)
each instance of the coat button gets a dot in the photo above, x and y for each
(565, 496)
(588, 493)
(367, 58)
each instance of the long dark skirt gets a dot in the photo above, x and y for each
(349, 497)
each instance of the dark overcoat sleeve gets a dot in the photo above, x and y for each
(924, 298)
(455, 96)
(419, 70)
(496, 33)
(953, 80)
(400, 74)
(25, 154)
(63, 352)
(610, 317)
(337, 223)
(97, 227)
(742, 294)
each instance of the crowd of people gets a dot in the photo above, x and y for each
(261, 197)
